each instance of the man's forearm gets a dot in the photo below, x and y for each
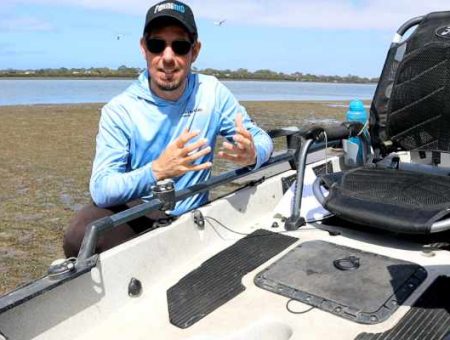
(110, 188)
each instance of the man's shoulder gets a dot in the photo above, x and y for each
(124, 100)
(118, 102)
(135, 92)
(120, 107)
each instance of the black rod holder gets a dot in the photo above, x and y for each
(96, 228)
(295, 221)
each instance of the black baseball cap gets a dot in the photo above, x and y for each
(179, 11)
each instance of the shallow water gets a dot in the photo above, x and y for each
(58, 91)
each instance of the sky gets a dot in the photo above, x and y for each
(322, 37)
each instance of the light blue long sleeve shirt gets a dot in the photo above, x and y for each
(137, 126)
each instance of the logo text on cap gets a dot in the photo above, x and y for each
(171, 6)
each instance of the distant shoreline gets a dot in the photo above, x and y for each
(133, 78)
(65, 78)
(124, 72)
(221, 79)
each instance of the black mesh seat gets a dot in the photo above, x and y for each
(403, 201)
(410, 111)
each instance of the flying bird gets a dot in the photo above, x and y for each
(120, 36)
(220, 22)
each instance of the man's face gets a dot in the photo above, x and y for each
(168, 70)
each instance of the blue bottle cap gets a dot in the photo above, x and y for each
(356, 105)
(356, 111)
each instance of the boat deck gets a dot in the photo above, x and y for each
(258, 313)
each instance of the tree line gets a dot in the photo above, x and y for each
(131, 72)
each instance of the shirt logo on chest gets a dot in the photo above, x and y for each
(191, 112)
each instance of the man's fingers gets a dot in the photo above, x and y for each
(241, 153)
(239, 120)
(198, 167)
(230, 147)
(243, 132)
(240, 123)
(185, 137)
(227, 155)
(242, 142)
(198, 144)
(196, 155)
(240, 129)
(231, 150)
(235, 158)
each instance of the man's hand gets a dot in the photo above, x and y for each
(243, 152)
(177, 159)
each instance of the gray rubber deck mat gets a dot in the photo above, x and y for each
(218, 280)
(428, 318)
(356, 285)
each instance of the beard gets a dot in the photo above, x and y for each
(169, 85)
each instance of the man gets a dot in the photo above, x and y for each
(163, 126)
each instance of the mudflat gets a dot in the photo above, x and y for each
(46, 154)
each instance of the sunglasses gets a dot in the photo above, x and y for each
(180, 47)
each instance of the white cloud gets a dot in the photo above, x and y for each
(24, 24)
(134, 7)
(327, 14)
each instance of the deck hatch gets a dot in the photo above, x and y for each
(369, 293)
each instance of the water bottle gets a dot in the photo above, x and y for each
(354, 153)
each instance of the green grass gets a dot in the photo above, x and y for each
(46, 157)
